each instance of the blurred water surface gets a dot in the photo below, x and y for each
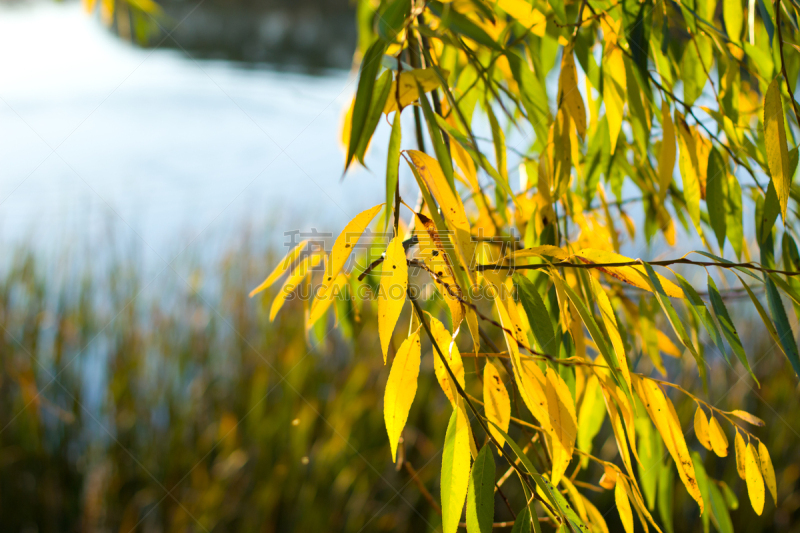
(166, 149)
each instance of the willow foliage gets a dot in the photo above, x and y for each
(549, 135)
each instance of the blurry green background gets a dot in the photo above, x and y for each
(141, 389)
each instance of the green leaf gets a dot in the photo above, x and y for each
(702, 483)
(442, 154)
(523, 522)
(392, 166)
(728, 329)
(769, 213)
(533, 93)
(459, 24)
(366, 83)
(455, 470)
(733, 215)
(390, 21)
(673, 318)
(380, 94)
(761, 312)
(538, 317)
(702, 313)
(719, 511)
(480, 496)
(716, 195)
(782, 326)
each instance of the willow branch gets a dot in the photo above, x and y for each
(666, 262)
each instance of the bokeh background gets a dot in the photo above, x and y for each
(150, 169)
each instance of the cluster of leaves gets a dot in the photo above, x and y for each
(607, 96)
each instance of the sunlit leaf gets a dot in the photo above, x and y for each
(401, 388)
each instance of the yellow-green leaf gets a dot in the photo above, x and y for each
(455, 470)
(775, 143)
(449, 349)
(401, 389)
(614, 87)
(755, 483)
(666, 155)
(427, 79)
(392, 294)
(496, 403)
(568, 93)
(767, 471)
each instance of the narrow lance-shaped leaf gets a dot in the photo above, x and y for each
(702, 313)
(495, 400)
(755, 483)
(716, 195)
(401, 389)
(623, 505)
(768, 471)
(366, 83)
(392, 292)
(455, 470)
(775, 143)
(674, 320)
(728, 329)
(781, 321)
(480, 496)
(392, 167)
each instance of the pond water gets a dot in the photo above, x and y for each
(99, 137)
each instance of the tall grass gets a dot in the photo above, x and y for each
(175, 405)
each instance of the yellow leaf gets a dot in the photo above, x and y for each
(719, 442)
(568, 93)
(450, 203)
(747, 417)
(344, 244)
(401, 389)
(291, 283)
(433, 254)
(563, 423)
(455, 470)
(619, 432)
(755, 483)
(775, 143)
(623, 505)
(663, 415)
(628, 274)
(321, 305)
(666, 345)
(609, 478)
(408, 92)
(767, 471)
(666, 155)
(690, 168)
(284, 266)
(741, 455)
(496, 402)
(614, 89)
(701, 428)
(526, 14)
(392, 295)
(537, 251)
(610, 322)
(449, 349)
